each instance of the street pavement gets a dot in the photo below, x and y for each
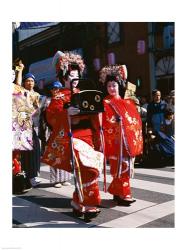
(49, 207)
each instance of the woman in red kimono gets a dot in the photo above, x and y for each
(71, 145)
(122, 132)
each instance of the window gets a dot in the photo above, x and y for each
(113, 32)
(168, 36)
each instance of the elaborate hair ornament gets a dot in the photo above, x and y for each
(61, 61)
(120, 71)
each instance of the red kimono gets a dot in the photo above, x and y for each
(123, 140)
(88, 161)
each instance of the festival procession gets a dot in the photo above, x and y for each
(93, 145)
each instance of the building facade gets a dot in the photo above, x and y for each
(147, 49)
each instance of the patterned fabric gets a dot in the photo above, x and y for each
(88, 156)
(22, 111)
(59, 175)
(58, 150)
(58, 153)
(131, 126)
(129, 133)
(91, 195)
(120, 185)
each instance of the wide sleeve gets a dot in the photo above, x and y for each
(96, 121)
(55, 112)
(132, 127)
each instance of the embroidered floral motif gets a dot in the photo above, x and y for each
(125, 184)
(131, 127)
(131, 120)
(57, 161)
(110, 130)
(62, 149)
(112, 119)
(91, 193)
(24, 104)
(134, 142)
(54, 145)
(50, 156)
(61, 133)
(24, 119)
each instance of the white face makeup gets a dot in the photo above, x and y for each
(74, 74)
(113, 88)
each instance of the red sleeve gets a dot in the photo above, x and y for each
(54, 112)
(95, 120)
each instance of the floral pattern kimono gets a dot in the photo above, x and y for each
(131, 126)
(123, 141)
(58, 150)
(24, 105)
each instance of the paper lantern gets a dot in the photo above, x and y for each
(97, 64)
(111, 58)
(141, 47)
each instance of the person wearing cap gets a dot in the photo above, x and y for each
(122, 133)
(58, 177)
(71, 145)
(30, 160)
(25, 105)
(21, 123)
